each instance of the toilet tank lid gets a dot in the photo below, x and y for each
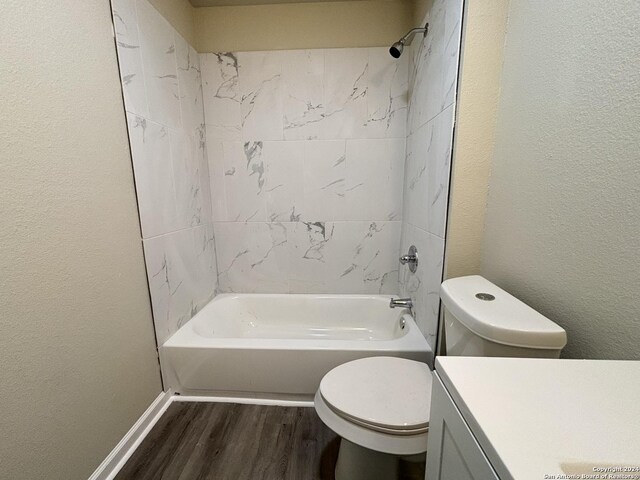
(491, 313)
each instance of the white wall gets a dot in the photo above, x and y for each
(306, 153)
(434, 70)
(77, 351)
(563, 216)
(162, 88)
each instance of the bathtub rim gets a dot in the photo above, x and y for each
(412, 340)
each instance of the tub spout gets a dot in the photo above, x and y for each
(401, 303)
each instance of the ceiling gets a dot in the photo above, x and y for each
(220, 3)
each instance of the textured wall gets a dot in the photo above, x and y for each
(163, 98)
(76, 340)
(479, 94)
(306, 151)
(368, 23)
(420, 10)
(180, 14)
(434, 69)
(563, 216)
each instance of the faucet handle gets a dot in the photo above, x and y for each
(404, 259)
(411, 258)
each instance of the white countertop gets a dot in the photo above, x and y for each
(537, 417)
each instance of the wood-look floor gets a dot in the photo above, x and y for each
(196, 440)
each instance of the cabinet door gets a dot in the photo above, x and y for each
(453, 452)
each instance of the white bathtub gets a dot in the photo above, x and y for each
(280, 346)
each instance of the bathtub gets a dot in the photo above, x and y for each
(280, 346)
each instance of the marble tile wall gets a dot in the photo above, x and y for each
(432, 78)
(319, 166)
(306, 155)
(161, 81)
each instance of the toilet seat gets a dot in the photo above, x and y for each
(378, 428)
(381, 403)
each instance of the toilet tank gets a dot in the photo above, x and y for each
(481, 319)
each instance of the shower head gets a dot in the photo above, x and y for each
(396, 48)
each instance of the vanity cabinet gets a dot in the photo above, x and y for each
(453, 452)
(533, 418)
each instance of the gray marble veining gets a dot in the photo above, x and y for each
(433, 70)
(299, 143)
(305, 94)
(307, 257)
(162, 85)
(288, 171)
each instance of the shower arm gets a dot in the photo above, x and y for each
(408, 38)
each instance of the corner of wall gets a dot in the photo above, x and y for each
(304, 25)
(474, 143)
(502, 7)
(420, 9)
(181, 15)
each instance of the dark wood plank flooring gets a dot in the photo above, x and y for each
(197, 440)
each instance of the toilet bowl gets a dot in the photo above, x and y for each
(380, 406)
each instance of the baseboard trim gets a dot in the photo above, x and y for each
(116, 459)
(243, 400)
(112, 464)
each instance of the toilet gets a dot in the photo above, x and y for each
(380, 405)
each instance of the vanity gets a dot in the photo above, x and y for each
(525, 418)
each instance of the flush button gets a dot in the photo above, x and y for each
(487, 297)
